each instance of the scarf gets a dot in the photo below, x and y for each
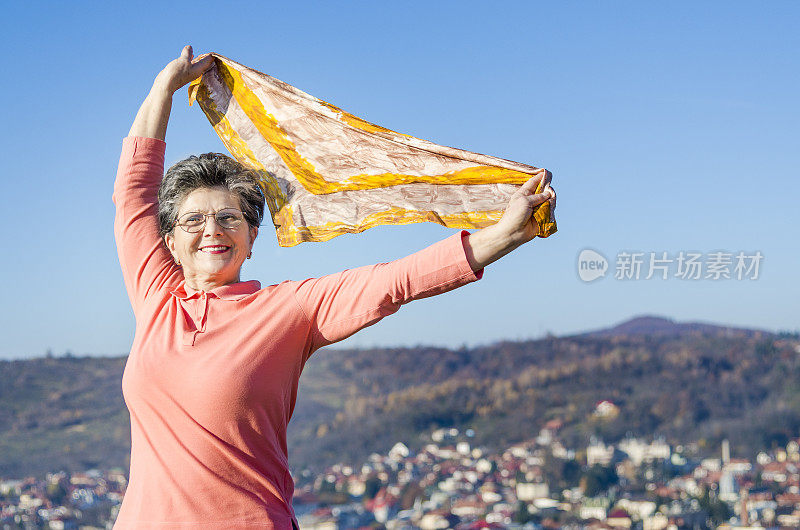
(325, 172)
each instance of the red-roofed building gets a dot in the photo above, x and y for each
(618, 518)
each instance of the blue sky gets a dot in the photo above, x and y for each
(668, 127)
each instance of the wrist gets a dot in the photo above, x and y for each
(504, 239)
(488, 245)
(161, 91)
(153, 115)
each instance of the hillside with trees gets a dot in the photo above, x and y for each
(696, 383)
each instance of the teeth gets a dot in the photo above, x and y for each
(214, 248)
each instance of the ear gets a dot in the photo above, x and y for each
(169, 239)
(253, 235)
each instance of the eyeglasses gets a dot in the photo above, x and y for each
(194, 222)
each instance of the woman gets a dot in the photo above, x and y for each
(211, 380)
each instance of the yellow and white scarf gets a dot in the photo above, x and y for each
(325, 172)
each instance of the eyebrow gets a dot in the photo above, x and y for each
(217, 211)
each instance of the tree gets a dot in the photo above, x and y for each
(57, 492)
(521, 514)
(372, 486)
(598, 479)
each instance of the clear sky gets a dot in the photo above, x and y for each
(668, 126)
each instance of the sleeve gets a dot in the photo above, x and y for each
(338, 305)
(147, 265)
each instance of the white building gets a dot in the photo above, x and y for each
(528, 491)
(399, 451)
(599, 453)
(639, 451)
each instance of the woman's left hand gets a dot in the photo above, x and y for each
(517, 226)
(517, 223)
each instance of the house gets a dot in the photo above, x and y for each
(599, 453)
(605, 409)
(618, 518)
(528, 491)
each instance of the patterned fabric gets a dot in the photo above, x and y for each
(325, 172)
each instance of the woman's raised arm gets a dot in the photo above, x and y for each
(153, 116)
(339, 305)
(147, 266)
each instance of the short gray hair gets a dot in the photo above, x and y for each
(209, 170)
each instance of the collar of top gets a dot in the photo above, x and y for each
(232, 291)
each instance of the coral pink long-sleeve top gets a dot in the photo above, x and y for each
(211, 379)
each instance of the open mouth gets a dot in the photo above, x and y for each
(215, 249)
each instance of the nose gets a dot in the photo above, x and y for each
(212, 227)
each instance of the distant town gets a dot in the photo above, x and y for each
(450, 483)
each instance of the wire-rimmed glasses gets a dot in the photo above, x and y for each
(194, 222)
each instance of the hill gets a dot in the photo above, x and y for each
(696, 384)
(660, 326)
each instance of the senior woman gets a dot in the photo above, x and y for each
(211, 379)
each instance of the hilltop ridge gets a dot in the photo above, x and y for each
(654, 325)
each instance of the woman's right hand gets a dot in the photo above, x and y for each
(153, 116)
(181, 71)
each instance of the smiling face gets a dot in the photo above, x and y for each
(213, 256)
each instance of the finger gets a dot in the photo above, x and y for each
(186, 53)
(203, 57)
(546, 179)
(539, 198)
(552, 200)
(531, 184)
(202, 64)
